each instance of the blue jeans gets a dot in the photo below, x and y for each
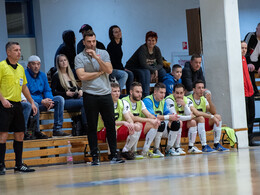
(161, 74)
(75, 105)
(27, 109)
(144, 77)
(129, 80)
(58, 111)
(121, 76)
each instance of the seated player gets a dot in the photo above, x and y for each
(127, 130)
(177, 103)
(205, 112)
(150, 123)
(170, 124)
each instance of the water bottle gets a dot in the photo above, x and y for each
(69, 155)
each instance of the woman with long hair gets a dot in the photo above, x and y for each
(64, 84)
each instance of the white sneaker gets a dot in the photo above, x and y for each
(181, 151)
(157, 151)
(194, 150)
(172, 152)
(150, 154)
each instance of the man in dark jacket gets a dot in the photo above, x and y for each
(192, 72)
(251, 39)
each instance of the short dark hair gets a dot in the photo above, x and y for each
(114, 85)
(197, 82)
(135, 84)
(9, 44)
(158, 86)
(175, 66)
(151, 34)
(243, 42)
(88, 33)
(195, 56)
(178, 85)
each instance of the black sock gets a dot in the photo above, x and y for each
(2, 152)
(18, 150)
(203, 147)
(190, 147)
(215, 145)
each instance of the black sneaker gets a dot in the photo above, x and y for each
(27, 136)
(60, 133)
(95, 161)
(2, 169)
(128, 155)
(40, 135)
(23, 168)
(116, 160)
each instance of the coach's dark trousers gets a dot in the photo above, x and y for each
(250, 113)
(103, 104)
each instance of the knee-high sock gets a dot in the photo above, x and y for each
(18, 150)
(157, 140)
(178, 139)
(2, 152)
(202, 133)
(192, 135)
(217, 132)
(131, 140)
(149, 139)
(172, 136)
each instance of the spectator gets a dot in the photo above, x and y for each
(147, 60)
(42, 95)
(27, 112)
(173, 78)
(12, 84)
(252, 39)
(80, 45)
(192, 72)
(64, 84)
(93, 68)
(114, 48)
(249, 96)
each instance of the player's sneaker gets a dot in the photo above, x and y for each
(207, 149)
(220, 148)
(180, 150)
(2, 169)
(194, 150)
(150, 154)
(138, 156)
(157, 151)
(95, 160)
(128, 155)
(23, 168)
(172, 152)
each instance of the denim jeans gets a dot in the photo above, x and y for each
(121, 76)
(74, 105)
(144, 77)
(129, 80)
(161, 74)
(27, 108)
(58, 111)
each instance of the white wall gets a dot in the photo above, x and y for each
(135, 17)
(3, 30)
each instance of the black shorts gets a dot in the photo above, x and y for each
(11, 119)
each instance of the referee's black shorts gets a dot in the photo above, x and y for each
(11, 119)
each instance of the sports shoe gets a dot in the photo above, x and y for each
(220, 148)
(60, 133)
(138, 157)
(116, 160)
(40, 135)
(27, 136)
(128, 155)
(158, 152)
(172, 152)
(150, 154)
(23, 168)
(207, 149)
(194, 150)
(180, 151)
(2, 169)
(95, 161)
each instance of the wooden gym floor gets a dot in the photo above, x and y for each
(235, 172)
